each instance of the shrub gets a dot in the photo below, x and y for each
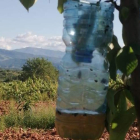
(39, 68)
(40, 118)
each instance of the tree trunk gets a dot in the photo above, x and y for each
(131, 34)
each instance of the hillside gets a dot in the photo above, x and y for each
(40, 51)
(14, 59)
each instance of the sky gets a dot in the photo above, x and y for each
(40, 27)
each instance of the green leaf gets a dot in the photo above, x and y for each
(126, 60)
(129, 96)
(115, 42)
(113, 70)
(111, 58)
(136, 48)
(60, 5)
(114, 125)
(122, 105)
(28, 3)
(125, 12)
(121, 123)
(110, 100)
(113, 52)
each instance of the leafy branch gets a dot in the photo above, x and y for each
(121, 111)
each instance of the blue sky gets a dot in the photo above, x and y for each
(41, 27)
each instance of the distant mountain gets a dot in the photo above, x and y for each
(40, 51)
(6, 54)
(12, 63)
(15, 59)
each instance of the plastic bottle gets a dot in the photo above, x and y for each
(83, 75)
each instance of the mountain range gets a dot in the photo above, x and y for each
(40, 51)
(14, 59)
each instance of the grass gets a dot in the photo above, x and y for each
(39, 117)
(42, 119)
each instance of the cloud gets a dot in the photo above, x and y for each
(31, 40)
